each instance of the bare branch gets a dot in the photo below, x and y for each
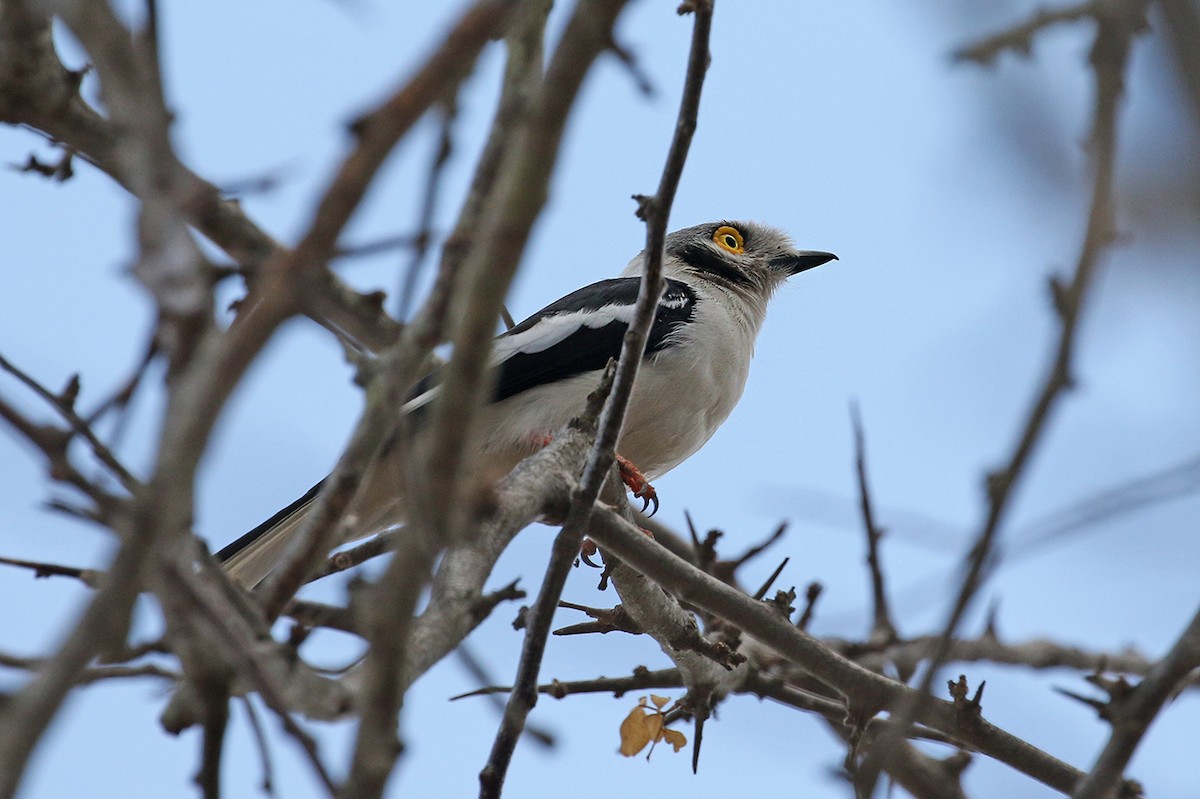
(882, 628)
(254, 659)
(1117, 24)
(1183, 29)
(25, 716)
(264, 748)
(94, 674)
(36, 90)
(538, 488)
(420, 242)
(377, 133)
(865, 691)
(478, 670)
(1019, 38)
(1131, 714)
(656, 212)
(642, 679)
(64, 404)
(89, 577)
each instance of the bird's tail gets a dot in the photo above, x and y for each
(252, 557)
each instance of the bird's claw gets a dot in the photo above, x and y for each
(586, 550)
(648, 496)
(637, 483)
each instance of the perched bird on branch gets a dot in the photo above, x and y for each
(720, 277)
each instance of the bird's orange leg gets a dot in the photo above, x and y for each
(631, 475)
(637, 483)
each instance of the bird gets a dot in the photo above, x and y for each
(720, 277)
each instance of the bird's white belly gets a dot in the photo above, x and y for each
(678, 403)
(677, 406)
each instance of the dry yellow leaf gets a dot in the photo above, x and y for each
(635, 732)
(640, 728)
(674, 737)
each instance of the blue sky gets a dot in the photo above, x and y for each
(949, 193)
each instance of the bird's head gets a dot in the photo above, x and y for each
(747, 258)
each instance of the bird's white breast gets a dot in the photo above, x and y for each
(684, 393)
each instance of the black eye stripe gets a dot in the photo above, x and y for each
(704, 258)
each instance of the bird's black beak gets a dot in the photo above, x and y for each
(795, 263)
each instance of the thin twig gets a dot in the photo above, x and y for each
(89, 577)
(641, 680)
(882, 628)
(447, 111)
(53, 443)
(95, 674)
(656, 212)
(732, 566)
(766, 586)
(1019, 38)
(264, 748)
(357, 555)
(121, 397)
(475, 667)
(65, 406)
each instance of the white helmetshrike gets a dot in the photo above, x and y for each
(720, 277)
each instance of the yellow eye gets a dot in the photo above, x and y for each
(730, 238)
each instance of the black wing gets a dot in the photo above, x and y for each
(581, 331)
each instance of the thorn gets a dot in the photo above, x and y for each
(761, 592)
(1097, 705)
(756, 550)
(691, 525)
(70, 391)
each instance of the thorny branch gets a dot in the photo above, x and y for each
(865, 692)
(1131, 714)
